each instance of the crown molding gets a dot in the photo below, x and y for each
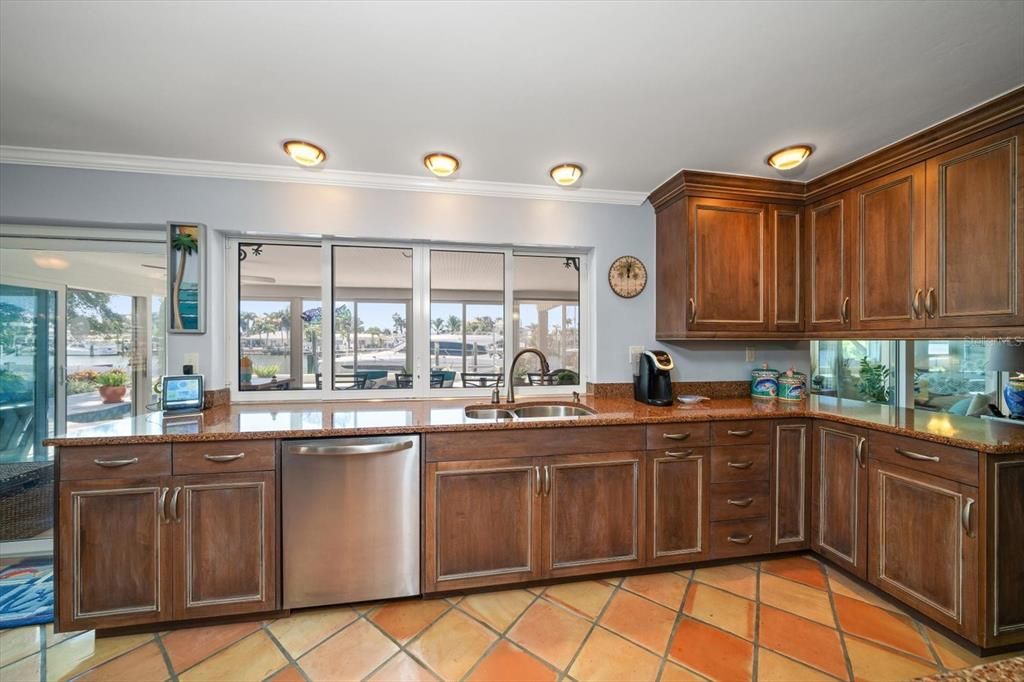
(131, 163)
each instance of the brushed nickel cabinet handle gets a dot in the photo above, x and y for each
(693, 310)
(679, 454)
(224, 458)
(547, 480)
(740, 465)
(536, 481)
(742, 433)
(174, 504)
(929, 302)
(860, 451)
(676, 436)
(112, 463)
(916, 305)
(965, 517)
(740, 540)
(844, 310)
(916, 455)
(162, 503)
(745, 502)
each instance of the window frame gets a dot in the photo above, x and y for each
(417, 326)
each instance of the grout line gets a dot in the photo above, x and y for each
(166, 656)
(923, 631)
(839, 628)
(597, 618)
(287, 656)
(223, 648)
(757, 623)
(675, 625)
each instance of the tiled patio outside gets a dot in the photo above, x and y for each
(786, 619)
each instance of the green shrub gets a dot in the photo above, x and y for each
(265, 371)
(114, 377)
(875, 381)
(77, 387)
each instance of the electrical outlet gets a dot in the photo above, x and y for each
(635, 351)
(750, 354)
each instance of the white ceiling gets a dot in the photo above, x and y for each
(632, 91)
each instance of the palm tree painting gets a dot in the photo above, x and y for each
(185, 287)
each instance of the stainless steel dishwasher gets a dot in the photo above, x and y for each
(351, 519)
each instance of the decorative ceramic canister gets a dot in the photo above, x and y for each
(792, 385)
(764, 382)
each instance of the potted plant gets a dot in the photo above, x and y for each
(113, 385)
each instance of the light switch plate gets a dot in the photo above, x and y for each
(192, 359)
(750, 354)
(635, 351)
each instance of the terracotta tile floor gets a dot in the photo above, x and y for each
(787, 619)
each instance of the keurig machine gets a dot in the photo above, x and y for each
(652, 379)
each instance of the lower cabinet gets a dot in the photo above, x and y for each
(839, 494)
(678, 518)
(924, 543)
(790, 471)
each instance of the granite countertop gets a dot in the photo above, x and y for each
(376, 417)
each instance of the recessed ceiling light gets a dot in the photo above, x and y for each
(440, 164)
(789, 157)
(50, 262)
(304, 153)
(566, 174)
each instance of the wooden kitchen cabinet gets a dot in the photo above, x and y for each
(785, 296)
(225, 544)
(790, 471)
(924, 543)
(828, 261)
(595, 512)
(839, 495)
(728, 254)
(482, 522)
(677, 505)
(975, 208)
(889, 254)
(114, 553)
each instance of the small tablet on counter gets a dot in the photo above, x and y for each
(182, 393)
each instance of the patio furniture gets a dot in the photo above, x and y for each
(403, 380)
(350, 382)
(481, 379)
(26, 500)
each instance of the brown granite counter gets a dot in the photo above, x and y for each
(375, 417)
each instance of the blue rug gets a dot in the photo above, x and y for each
(26, 593)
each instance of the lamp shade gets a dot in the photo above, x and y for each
(1006, 357)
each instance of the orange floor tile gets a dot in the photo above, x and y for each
(788, 619)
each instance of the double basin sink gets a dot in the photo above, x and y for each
(528, 412)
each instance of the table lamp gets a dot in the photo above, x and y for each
(1008, 356)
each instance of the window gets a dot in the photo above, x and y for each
(416, 320)
(855, 369)
(953, 376)
(278, 317)
(467, 303)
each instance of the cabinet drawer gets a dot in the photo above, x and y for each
(741, 500)
(674, 435)
(741, 433)
(475, 445)
(736, 538)
(114, 461)
(944, 461)
(739, 463)
(224, 457)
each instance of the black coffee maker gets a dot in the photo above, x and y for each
(652, 381)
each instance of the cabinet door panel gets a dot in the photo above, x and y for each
(890, 272)
(728, 259)
(226, 547)
(787, 262)
(677, 520)
(482, 523)
(924, 545)
(975, 233)
(839, 498)
(594, 505)
(114, 553)
(828, 264)
(789, 486)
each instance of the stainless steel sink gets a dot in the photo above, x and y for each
(488, 414)
(549, 411)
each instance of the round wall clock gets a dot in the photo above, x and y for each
(627, 276)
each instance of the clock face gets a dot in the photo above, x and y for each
(627, 276)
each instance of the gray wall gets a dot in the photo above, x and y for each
(30, 194)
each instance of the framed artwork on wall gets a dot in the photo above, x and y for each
(186, 278)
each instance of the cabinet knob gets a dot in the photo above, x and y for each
(915, 306)
(112, 463)
(740, 539)
(224, 458)
(745, 502)
(929, 302)
(740, 465)
(844, 311)
(742, 433)
(693, 310)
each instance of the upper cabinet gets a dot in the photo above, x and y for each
(975, 234)
(728, 251)
(923, 238)
(889, 253)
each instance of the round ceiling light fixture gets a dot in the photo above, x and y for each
(566, 174)
(440, 164)
(789, 158)
(304, 153)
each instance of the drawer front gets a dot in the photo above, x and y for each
(741, 433)
(741, 500)
(224, 457)
(739, 463)
(475, 445)
(944, 461)
(677, 435)
(739, 538)
(116, 461)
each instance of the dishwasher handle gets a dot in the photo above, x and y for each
(354, 449)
